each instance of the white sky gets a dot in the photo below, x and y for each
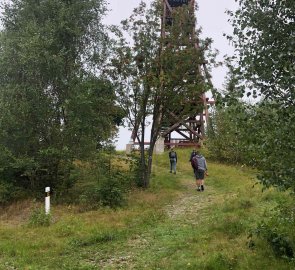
(210, 16)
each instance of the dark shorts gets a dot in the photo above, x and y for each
(200, 174)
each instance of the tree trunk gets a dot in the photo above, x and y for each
(142, 155)
(157, 120)
(144, 171)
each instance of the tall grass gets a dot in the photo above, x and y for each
(169, 226)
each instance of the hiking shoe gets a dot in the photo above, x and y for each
(202, 188)
(198, 189)
(170, 171)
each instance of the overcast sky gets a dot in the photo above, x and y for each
(210, 16)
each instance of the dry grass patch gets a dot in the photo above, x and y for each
(17, 213)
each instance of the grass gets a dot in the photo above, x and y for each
(170, 226)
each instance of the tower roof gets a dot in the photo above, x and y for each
(177, 3)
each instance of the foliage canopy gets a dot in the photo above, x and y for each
(55, 105)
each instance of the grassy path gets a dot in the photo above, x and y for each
(204, 230)
(171, 226)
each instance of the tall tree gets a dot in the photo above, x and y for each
(55, 104)
(180, 82)
(264, 39)
(158, 75)
(133, 70)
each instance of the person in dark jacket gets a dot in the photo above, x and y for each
(192, 155)
(173, 160)
(200, 170)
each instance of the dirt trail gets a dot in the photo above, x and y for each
(183, 211)
(189, 204)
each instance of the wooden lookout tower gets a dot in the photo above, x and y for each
(180, 127)
(186, 130)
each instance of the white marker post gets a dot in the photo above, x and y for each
(47, 200)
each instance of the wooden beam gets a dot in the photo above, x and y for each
(193, 121)
(167, 4)
(172, 128)
(182, 134)
(184, 144)
(187, 126)
(182, 129)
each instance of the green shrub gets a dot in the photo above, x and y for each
(136, 169)
(279, 242)
(111, 192)
(5, 192)
(39, 218)
(89, 199)
(278, 232)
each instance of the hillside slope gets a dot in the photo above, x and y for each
(170, 226)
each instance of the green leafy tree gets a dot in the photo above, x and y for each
(133, 71)
(55, 103)
(231, 124)
(180, 82)
(158, 75)
(264, 40)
